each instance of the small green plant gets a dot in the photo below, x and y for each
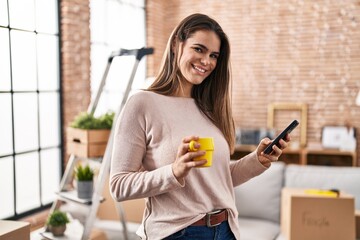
(84, 173)
(87, 121)
(57, 218)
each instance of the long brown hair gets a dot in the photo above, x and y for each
(212, 96)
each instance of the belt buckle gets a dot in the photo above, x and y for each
(208, 218)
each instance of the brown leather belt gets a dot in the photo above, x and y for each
(212, 219)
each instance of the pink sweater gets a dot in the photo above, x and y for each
(147, 135)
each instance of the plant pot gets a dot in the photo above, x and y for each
(85, 189)
(57, 230)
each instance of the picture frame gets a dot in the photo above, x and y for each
(297, 109)
(338, 137)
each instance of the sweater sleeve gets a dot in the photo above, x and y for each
(246, 168)
(128, 180)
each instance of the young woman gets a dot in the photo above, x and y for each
(151, 159)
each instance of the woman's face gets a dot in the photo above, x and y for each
(198, 57)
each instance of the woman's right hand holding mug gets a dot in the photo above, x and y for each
(184, 161)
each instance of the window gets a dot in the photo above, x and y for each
(115, 24)
(30, 142)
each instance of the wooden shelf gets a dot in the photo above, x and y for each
(314, 155)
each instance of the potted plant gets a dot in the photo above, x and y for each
(87, 135)
(84, 176)
(87, 121)
(56, 222)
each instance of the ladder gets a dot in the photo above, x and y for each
(104, 170)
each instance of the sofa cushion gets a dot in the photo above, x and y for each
(260, 196)
(255, 229)
(346, 179)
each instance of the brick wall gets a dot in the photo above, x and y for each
(161, 17)
(75, 57)
(282, 51)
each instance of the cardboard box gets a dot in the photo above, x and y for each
(87, 143)
(357, 222)
(14, 230)
(313, 217)
(97, 234)
(134, 209)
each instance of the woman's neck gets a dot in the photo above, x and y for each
(184, 90)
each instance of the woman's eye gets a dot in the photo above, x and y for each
(197, 49)
(215, 56)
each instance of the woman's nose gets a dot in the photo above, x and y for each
(205, 60)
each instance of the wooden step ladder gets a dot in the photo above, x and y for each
(64, 194)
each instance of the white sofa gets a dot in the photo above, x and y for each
(259, 200)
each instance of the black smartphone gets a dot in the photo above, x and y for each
(282, 135)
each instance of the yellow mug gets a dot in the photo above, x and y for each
(206, 144)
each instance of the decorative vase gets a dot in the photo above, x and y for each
(57, 230)
(85, 189)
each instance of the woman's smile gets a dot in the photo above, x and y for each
(199, 69)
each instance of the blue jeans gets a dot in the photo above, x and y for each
(220, 232)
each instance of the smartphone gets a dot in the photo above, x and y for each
(282, 135)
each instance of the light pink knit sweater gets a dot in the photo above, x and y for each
(147, 135)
